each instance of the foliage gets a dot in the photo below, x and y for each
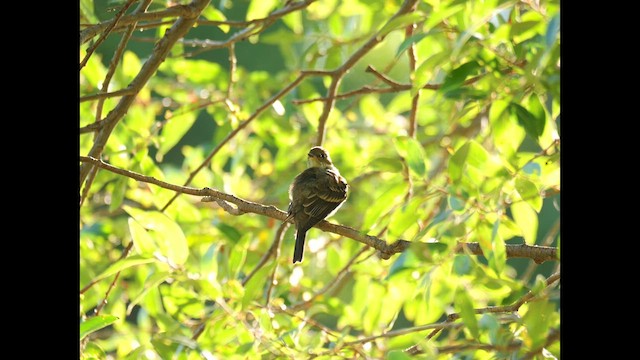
(460, 145)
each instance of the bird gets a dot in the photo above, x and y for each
(317, 192)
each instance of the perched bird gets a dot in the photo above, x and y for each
(315, 193)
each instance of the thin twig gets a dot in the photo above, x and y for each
(85, 190)
(275, 248)
(106, 33)
(105, 95)
(174, 11)
(232, 69)
(413, 59)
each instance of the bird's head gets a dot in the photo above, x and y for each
(319, 157)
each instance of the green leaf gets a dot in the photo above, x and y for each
(405, 218)
(401, 22)
(455, 202)
(294, 22)
(259, 9)
(142, 241)
(537, 320)
(389, 164)
(413, 39)
(467, 314)
(470, 154)
(529, 192)
(95, 323)
(527, 219)
(424, 73)
(123, 264)
(151, 283)
(117, 195)
(442, 13)
(398, 355)
(462, 264)
(553, 27)
(498, 257)
(238, 255)
(230, 232)
(212, 14)
(257, 284)
(507, 134)
(87, 12)
(523, 30)
(166, 233)
(174, 130)
(410, 149)
(455, 79)
(392, 192)
(532, 125)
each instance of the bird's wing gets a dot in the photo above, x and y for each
(329, 191)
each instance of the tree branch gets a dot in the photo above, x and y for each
(385, 250)
(160, 52)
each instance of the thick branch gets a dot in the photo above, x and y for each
(385, 250)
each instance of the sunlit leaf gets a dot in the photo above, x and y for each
(87, 12)
(152, 282)
(527, 219)
(117, 196)
(259, 9)
(536, 320)
(166, 233)
(123, 264)
(471, 154)
(464, 305)
(212, 14)
(386, 164)
(412, 151)
(391, 192)
(529, 192)
(532, 125)
(402, 21)
(174, 130)
(142, 241)
(498, 258)
(455, 79)
(257, 284)
(95, 323)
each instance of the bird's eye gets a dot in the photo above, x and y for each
(321, 156)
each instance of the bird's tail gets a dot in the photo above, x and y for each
(297, 253)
